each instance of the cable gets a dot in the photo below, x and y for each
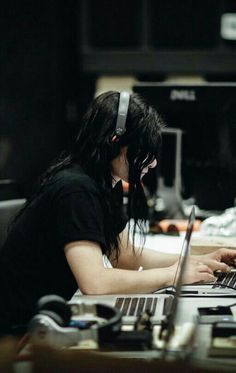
(166, 288)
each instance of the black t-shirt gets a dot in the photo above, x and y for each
(69, 208)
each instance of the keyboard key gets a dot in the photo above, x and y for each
(226, 279)
(119, 303)
(154, 305)
(133, 306)
(126, 306)
(148, 306)
(140, 306)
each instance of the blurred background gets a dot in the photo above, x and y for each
(181, 55)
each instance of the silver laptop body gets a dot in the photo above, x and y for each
(132, 305)
(224, 285)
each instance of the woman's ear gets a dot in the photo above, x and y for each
(118, 151)
(120, 166)
(121, 157)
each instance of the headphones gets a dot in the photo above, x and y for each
(62, 324)
(121, 115)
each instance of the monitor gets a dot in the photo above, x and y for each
(206, 113)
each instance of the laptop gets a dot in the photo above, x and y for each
(224, 285)
(161, 306)
(171, 317)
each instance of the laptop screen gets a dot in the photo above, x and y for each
(177, 283)
(178, 279)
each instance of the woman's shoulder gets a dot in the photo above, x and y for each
(71, 180)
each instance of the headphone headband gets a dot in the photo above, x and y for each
(122, 113)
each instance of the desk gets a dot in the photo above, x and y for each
(164, 243)
(74, 360)
(173, 244)
(187, 311)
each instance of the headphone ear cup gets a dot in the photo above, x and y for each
(54, 316)
(112, 327)
(56, 308)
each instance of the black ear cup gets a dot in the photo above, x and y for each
(112, 326)
(54, 316)
(56, 308)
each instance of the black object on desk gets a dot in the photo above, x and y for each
(223, 342)
(214, 314)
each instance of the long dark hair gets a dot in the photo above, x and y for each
(94, 150)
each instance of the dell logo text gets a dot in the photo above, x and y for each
(183, 95)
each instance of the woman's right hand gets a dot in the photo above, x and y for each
(195, 272)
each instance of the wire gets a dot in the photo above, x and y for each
(170, 288)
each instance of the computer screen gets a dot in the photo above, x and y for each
(206, 113)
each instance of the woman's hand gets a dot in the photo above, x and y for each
(196, 271)
(221, 259)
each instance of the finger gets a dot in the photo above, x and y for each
(223, 267)
(206, 277)
(204, 268)
(215, 265)
(231, 262)
(226, 254)
(224, 251)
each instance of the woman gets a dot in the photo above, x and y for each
(57, 242)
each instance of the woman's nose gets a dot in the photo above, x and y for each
(153, 164)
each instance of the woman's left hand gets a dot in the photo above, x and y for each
(221, 259)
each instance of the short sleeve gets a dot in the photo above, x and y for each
(79, 216)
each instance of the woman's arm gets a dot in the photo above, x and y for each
(220, 259)
(85, 261)
(145, 258)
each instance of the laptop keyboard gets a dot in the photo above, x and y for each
(136, 305)
(224, 279)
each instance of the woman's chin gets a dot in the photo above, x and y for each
(142, 175)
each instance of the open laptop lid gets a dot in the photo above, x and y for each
(178, 279)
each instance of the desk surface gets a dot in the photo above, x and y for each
(187, 310)
(200, 244)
